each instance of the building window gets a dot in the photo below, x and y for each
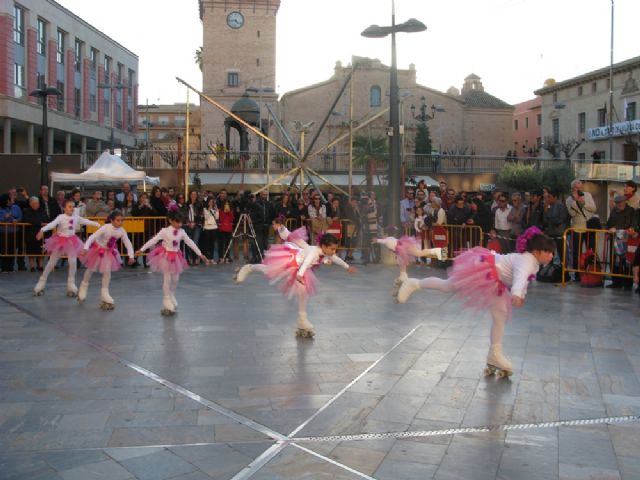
(60, 48)
(18, 25)
(555, 97)
(106, 107)
(119, 73)
(92, 103)
(257, 62)
(608, 84)
(180, 121)
(233, 79)
(539, 119)
(107, 69)
(582, 122)
(41, 46)
(130, 81)
(630, 112)
(515, 125)
(93, 58)
(258, 33)
(60, 98)
(594, 87)
(78, 55)
(602, 117)
(556, 130)
(582, 156)
(580, 91)
(76, 102)
(18, 80)
(40, 80)
(526, 122)
(163, 120)
(375, 96)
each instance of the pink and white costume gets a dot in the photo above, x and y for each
(63, 243)
(167, 259)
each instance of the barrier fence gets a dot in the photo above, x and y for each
(599, 253)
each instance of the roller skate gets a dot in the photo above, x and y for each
(397, 283)
(106, 302)
(497, 363)
(409, 286)
(38, 290)
(440, 253)
(72, 290)
(168, 308)
(174, 301)
(82, 292)
(242, 273)
(304, 327)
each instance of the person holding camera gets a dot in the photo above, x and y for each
(582, 210)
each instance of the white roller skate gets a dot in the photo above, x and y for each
(167, 307)
(72, 290)
(400, 279)
(406, 289)
(242, 273)
(82, 292)
(441, 253)
(174, 301)
(497, 363)
(304, 328)
(38, 290)
(106, 302)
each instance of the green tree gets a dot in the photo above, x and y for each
(520, 178)
(558, 177)
(422, 140)
(198, 57)
(367, 151)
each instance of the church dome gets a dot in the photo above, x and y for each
(247, 109)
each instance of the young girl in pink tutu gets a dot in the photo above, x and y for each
(407, 249)
(167, 258)
(100, 254)
(64, 243)
(485, 280)
(290, 265)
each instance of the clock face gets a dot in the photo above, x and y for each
(235, 20)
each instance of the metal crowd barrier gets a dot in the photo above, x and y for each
(605, 258)
(457, 238)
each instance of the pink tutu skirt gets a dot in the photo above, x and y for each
(298, 234)
(476, 279)
(405, 244)
(282, 269)
(166, 261)
(64, 246)
(102, 259)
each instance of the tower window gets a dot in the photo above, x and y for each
(233, 79)
(258, 33)
(257, 62)
(375, 96)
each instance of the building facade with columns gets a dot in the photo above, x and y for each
(47, 45)
(579, 109)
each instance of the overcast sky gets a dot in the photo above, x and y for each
(513, 45)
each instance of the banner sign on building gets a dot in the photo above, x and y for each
(618, 130)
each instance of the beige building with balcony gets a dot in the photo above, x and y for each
(160, 126)
(578, 108)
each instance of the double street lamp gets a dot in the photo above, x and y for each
(375, 31)
(112, 87)
(43, 93)
(423, 116)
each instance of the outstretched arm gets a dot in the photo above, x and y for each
(87, 222)
(151, 242)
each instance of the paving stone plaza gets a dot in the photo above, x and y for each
(224, 390)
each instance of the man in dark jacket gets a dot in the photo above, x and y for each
(48, 205)
(534, 212)
(556, 218)
(621, 224)
(262, 214)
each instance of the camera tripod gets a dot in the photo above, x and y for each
(244, 229)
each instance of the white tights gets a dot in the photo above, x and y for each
(106, 278)
(170, 284)
(499, 308)
(72, 260)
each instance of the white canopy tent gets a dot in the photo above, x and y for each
(107, 169)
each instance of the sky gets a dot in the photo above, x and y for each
(513, 45)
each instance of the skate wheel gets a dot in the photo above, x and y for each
(39, 294)
(504, 374)
(302, 333)
(80, 301)
(167, 313)
(488, 371)
(71, 294)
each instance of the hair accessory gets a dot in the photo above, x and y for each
(521, 242)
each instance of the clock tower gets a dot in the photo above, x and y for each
(238, 53)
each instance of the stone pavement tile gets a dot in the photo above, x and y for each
(119, 454)
(56, 440)
(218, 461)
(444, 413)
(152, 419)
(629, 466)
(429, 425)
(404, 470)
(585, 472)
(618, 405)
(498, 390)
(588, 446)
(68, 460)
(483, 412)
(528, 461)
(143, 436)
(535, 412)
(83, 421)
(418, 452)
(416, 382)
(230, 433)
(24, 466)
(30, 423)
(359, 458)
(209, 417)
(396, 362)
(397, 408)
(375, 383)
(192, 476)
(293, 463)
(106, 470)
(155, 405)
(455, 392)
(626, 439)
(300, 402)
(158, 466)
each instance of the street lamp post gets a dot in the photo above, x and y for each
(44, 93)
(112, 87)
(375, 31)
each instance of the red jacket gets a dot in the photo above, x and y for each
(225, 221)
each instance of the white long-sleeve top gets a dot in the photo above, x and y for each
(516, 270)
(211, 218)
(171, 238)
(107, 234)
(390, 242)
(67, 224)
(312, 255)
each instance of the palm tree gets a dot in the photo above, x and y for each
(367, 151)
(198, 57)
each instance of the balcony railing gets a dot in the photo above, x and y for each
(415, 165)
